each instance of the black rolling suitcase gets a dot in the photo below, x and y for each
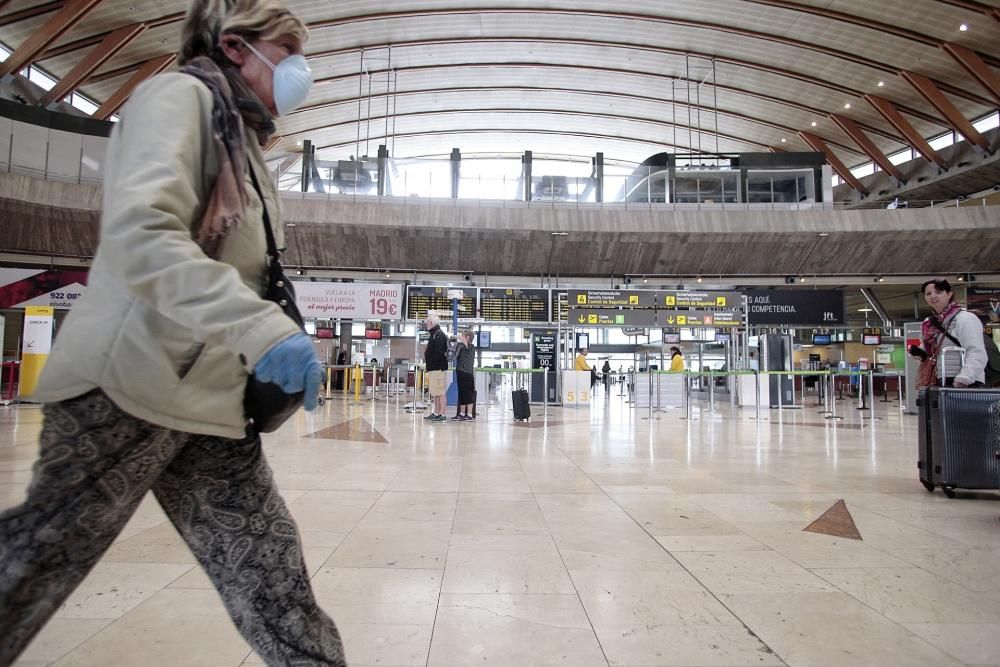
(519, 398)
(959, 435)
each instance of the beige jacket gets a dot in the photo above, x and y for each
(169, 334)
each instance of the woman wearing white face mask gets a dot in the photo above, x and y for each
(144, 388)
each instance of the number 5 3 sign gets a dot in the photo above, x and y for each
(576, 388)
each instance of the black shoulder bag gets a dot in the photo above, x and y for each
(265, 403)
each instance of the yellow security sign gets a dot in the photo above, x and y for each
(682, 320)
(633, 300)
(592, 318)
(581, 298)
(720, 301)
(670, 301)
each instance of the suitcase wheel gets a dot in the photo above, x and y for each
(948, 491)
(319, 400)
(927, 485)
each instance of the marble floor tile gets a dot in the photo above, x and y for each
(975, 569)
(412, 506)
(394, 543)
(334, 511)
(510, 572)
(174, 627)
(912, 595)
(971, 643)
(159, 544)
(380, 645)
(112, 589)
(60, 636)
(731, 572)
(651, 598)
(514, 631)
(831, 630)
(740, 542)
(814, 550)
(648, 645)
(609, 546)
(378, 596)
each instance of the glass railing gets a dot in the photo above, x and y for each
(55, 155)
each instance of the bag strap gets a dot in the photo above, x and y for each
(272, 247)
(935, 322)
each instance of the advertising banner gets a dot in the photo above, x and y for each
(20, 288)
(349, 301)
(984, 302)
(790, 307)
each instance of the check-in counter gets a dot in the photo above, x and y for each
(576, 390)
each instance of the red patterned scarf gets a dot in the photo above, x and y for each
(931, 334)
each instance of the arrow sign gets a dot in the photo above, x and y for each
(670, 320)
(30, 344)
(581, 319)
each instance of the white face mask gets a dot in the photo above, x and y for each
(291, 82)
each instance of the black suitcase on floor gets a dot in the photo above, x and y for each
(959, 433)
(519, 398)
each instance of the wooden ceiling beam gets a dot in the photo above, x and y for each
(975, 66)
(819, 145)
(152, 67)
(862, 140)
(112, 44)
(67, 17)
(93, 40)
(936, 98)
(29, 12)
(892, 115)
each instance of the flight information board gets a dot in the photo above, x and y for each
(421, 298)
(560, 306)
(508, 304)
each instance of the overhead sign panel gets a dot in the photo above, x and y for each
(796, 307)
(708, 299)
(610, 298)
(508, 304)
(606, 317)
(698, 318)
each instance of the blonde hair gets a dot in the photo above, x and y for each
(208, 20)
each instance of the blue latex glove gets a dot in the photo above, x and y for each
(292, 364)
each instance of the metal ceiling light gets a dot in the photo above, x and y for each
(699, 279)
(813, 124)
(881, 84)
(847, 105)
(963, 27)
(645, 279)
(802, 279)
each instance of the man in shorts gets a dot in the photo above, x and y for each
(436, 360)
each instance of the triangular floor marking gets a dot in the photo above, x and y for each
(836, 521)
(357, 430)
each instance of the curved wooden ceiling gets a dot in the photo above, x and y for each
(571, 78)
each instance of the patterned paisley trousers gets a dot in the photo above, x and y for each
(95, 466)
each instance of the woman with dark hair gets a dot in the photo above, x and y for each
(144, 389)
(676, 360)
(949, 325)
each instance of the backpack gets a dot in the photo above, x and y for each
(992, 369)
